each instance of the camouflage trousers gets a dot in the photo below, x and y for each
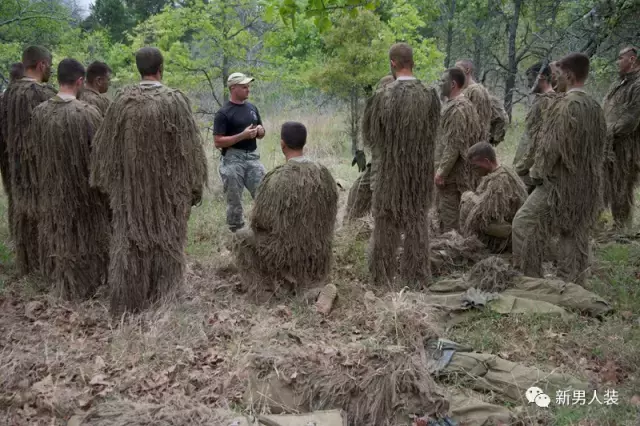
(239, 169)
(532, 234)
(448, 202)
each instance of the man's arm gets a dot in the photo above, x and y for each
(220, 127)
(628, 116)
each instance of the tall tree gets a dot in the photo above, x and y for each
(208, 39)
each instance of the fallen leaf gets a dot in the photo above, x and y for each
(626, 315)
(32, 308)
(76, 420)
(100, 379)
(43, 386)
(635, 400)
(100, 364)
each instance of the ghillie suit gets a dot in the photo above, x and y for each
(18, 102)
(622, 112)
(73, 225)
(377, 381)
(499, 122)
(451, 252)
(489, 210)
(361, 192)
(460, 128)
(360, 196)
(569, 161)
(94, 98)
(400, 125)
(148, 157)
(525, 154)
(292, 225)
(481, 99)
(492, 274)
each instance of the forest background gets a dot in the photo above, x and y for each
(316, 55)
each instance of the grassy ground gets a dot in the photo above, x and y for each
(58, 359)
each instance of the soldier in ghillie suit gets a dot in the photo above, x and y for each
(148, 157)
(73, 225)
(539, 79)
(479, 97)
(460, 128)
(96, 85)
(488, 211)
(622, 112)
(293, 218)
(361, 192)
(499, 122)
(15, 73)
(18, 102)
(569, 164)
(400, 125)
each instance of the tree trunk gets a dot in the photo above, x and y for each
(510, 81)
(478, 45)
(354, 119)
(225, 76)
(452, 12)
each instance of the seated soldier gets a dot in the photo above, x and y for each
(489, 210)
(292, 222)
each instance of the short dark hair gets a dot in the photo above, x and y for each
(32, 55)
(630, 49)
(468, 64)
(457, 75)
(402, 55)
(16, 72)
(482, 150)
(97, 69)
(69, 71)
(540, 68)
(577, 63)
(294, 135)
(149, 61)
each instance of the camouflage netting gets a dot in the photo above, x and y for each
(400, 125)
(149, 159)
(73, 226)
(496, 201)
(94, 98)
(499, 121)
(460, 128)
(18, 102)
(622, 112)
(292, 226)
(492, 274)
(481, 99)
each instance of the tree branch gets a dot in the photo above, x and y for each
(246, 27)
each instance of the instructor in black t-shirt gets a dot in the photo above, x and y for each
(236, 127)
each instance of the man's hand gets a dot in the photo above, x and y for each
(439, 180)
(260, 131)
(360, 159)
(250, 132)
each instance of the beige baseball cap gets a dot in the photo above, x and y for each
(238, 78)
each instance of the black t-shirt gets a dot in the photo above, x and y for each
(232, 119)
